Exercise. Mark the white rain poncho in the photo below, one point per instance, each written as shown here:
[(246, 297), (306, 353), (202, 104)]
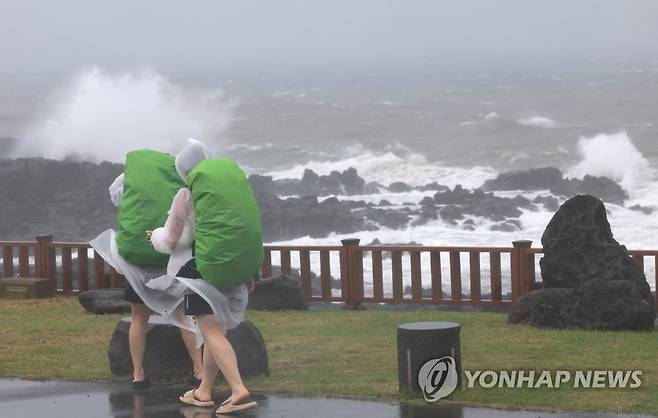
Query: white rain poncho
[(176, 238), (167, 304), (163, 291)]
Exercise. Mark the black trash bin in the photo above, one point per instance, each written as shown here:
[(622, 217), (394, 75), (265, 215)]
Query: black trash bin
[(421, 342)]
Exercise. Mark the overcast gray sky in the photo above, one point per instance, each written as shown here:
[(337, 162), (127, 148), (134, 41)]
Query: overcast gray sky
[(176, 35)]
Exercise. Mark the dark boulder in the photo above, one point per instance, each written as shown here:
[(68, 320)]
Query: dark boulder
[(104, 301), (551, 178), (428, 211), (347, 182), (277, 293), (644, 209), (399, 187), (460, 201), (550, 203), (601, 187), (451, 214), (589, 279), (427, 201), (298, 217), (166, 356), (250, 349), (544, 178), (387, 218), (545, 308)]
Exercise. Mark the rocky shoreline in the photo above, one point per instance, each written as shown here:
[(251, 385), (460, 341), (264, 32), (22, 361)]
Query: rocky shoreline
[(69, 200)]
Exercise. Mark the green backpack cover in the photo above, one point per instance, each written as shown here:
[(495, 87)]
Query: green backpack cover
[(228, 243), (150, 184)]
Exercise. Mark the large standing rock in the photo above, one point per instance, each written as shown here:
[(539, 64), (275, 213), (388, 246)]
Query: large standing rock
[(277, 293), (166, 356), (102, 301), (250, 349), (589, 279)]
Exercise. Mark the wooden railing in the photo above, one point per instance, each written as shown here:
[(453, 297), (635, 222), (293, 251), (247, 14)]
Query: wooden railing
[(54, 260), (349, 273), (431, 271)]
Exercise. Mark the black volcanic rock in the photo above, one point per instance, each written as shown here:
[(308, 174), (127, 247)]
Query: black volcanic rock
[(551, 178), (589, 279), (67, 199), (644, 209), (451, 214), (427, 201), (388, 218), (399, 187), (545, 178), (549, 202), (601, 187), (104, 301), (165, 356), (479, 203), (336, 183), (297, 217), (277, 293), (428, 211)]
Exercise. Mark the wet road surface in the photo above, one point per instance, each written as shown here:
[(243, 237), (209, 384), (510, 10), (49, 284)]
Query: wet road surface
[(23, 398)]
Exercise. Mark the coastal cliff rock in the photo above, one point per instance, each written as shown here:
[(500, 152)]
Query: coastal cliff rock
[(551, 178), (589, 280), (69, 200), (311, 184)]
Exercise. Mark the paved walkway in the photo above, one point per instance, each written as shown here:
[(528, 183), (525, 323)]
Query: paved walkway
[(22, 398)]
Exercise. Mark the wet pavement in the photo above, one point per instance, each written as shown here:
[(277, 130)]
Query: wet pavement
[(23, 398)]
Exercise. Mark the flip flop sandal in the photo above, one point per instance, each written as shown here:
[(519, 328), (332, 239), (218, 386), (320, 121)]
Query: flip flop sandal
[(228, 408), (190, 399)]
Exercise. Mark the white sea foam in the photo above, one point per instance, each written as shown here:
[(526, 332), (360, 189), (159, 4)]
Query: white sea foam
[(101, 116), (389, 167), (537, 121), (490, 116), (249, 147)]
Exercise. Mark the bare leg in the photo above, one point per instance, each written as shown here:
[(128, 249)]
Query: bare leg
[(222, 352), (195, 353), (137, 338), (204, 392)]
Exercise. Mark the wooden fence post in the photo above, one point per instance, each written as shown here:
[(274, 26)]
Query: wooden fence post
[(354, 273), (521, 269), (41, 254)]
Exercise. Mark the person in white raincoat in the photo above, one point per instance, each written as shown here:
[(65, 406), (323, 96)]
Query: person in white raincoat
[(144, 300), (215, 310)]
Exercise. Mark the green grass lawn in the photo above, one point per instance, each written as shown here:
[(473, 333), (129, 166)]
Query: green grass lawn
[(351, 353)]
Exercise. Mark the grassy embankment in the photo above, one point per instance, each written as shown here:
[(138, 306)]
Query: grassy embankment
[(350, 354)]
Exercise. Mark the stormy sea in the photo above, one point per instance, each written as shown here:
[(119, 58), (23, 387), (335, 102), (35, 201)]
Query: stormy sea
[(444, 159)]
